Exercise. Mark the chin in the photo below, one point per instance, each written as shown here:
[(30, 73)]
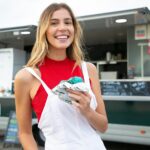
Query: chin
[(63, 47)]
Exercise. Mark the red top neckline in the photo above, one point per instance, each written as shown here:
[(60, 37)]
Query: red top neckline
[(55, 61)]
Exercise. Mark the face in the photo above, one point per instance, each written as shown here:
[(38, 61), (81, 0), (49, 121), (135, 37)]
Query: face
[(60, 33)]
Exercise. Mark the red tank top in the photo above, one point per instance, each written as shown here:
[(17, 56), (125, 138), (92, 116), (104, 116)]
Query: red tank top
[(52, 72)]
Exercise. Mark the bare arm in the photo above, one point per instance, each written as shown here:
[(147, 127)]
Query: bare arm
[(24, 110), (98, 118)]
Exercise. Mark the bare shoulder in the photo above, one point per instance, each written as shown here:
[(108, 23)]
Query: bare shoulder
[(23, 76)]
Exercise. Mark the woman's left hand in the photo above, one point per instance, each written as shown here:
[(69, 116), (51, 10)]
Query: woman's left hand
[(81, 100)]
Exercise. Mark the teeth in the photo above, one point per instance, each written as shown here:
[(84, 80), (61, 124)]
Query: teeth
[(62, 37)]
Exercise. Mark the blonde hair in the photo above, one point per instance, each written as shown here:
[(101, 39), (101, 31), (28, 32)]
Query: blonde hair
[(40, 48)]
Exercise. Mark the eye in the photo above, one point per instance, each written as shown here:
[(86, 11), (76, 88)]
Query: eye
[(68, 22), (53, 23)]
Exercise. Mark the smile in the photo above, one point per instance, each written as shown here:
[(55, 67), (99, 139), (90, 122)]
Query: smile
[(62, 37)]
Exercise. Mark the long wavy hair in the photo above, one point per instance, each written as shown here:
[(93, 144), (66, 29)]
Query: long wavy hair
[(40, 48)]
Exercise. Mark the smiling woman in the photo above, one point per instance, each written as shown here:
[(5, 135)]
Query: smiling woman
[(60, 32), (57, 57)]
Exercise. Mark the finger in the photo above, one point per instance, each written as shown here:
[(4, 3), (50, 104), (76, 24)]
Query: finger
[(76, 104), (73, 91), (81, 99), (86, 94), (75, 97)]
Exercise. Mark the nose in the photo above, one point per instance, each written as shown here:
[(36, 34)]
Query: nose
[(62, 26)]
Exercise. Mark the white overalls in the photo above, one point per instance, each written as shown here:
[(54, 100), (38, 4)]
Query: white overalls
[(63, 126)]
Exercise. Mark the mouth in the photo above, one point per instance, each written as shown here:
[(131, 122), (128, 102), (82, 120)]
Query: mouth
[(62, 37)]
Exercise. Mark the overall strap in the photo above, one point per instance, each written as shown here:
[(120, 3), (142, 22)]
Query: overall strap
[(47, 89), (85, 74)]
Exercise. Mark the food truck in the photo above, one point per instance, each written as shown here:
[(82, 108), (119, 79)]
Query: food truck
[(128, 109)]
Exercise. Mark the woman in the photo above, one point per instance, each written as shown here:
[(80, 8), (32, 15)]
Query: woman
[(57, 56)]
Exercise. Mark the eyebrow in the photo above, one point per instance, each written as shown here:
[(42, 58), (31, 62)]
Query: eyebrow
[(55, 19)]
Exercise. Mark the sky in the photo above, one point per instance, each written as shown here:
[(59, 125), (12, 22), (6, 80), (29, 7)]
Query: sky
[(14, 13)]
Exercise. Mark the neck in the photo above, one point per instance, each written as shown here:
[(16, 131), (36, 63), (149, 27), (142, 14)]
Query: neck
[(57, 54)]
